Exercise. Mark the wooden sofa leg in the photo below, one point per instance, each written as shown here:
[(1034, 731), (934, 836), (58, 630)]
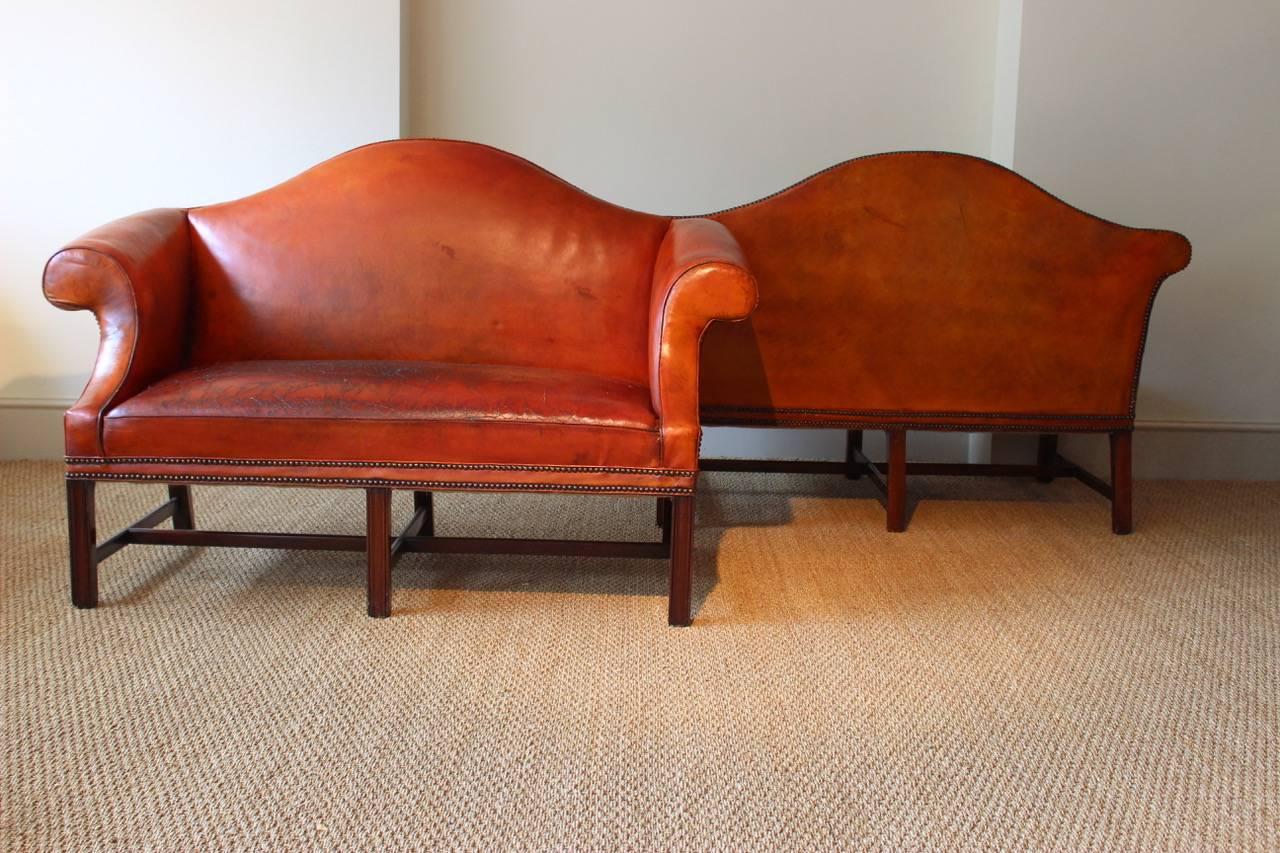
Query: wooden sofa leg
[(184, 517), (852, 447), (82, 527), (664, 515), (896, 481), (680, 594), (422, 500), (1046, 458), (378, 550), (1122, 482)]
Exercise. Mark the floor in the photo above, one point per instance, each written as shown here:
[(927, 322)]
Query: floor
[(1007, 674)]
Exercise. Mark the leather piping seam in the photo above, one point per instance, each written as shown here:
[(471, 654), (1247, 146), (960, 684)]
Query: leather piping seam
[(366, 482), (927, 153), (328, 463), (516, 158), (1142, 339)]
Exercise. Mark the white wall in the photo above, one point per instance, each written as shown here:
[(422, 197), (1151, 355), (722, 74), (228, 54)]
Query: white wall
[(678, 107), (1167, 114), (114, 107), (1149, 113)]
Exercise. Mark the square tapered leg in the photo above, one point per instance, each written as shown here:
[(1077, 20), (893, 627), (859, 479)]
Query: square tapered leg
[(423, 501), (1046, 458), (378, 550), (184, 517), (680, 596), (82, 527), (1122, 482), (896, 481), (852, 447)]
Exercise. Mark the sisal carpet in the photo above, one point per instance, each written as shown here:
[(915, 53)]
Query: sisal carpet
[(1007, 674)]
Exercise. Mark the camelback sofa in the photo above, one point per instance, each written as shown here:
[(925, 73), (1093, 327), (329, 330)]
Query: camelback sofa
[(422, 315), (932, 291)]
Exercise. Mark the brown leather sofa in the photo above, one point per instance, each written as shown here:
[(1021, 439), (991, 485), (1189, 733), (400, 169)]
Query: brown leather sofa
[(931, 291), (423, 315)]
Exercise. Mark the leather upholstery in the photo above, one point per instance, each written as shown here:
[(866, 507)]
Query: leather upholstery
[(402, 411), (700, 276), (416, 313), (430, 250), (935, 291), (134, 274)]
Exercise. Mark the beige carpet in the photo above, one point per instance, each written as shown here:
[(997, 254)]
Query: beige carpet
[(1007, 674)]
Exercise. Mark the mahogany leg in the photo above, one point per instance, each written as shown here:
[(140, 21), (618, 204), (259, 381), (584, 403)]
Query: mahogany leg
[(666, 526), (422, 500), (896, 480), (378, 550), (852, 446), (664, 515), (183, 515), (82, 527), (1122, 482), (681, 590), (1046, 458)]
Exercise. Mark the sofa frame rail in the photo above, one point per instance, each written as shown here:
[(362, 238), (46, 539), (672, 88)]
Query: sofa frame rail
[(675, 518), (890, 477)]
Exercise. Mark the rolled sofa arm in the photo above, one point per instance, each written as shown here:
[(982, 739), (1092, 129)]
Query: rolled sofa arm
[(700, 275), (134, 275)]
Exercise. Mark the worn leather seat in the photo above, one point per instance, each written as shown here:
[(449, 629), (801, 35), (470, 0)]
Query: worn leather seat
[(398, 411)]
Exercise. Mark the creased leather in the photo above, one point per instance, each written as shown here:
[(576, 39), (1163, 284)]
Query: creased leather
[(399, 411), (426, 250), (134, 275), (700, 276)]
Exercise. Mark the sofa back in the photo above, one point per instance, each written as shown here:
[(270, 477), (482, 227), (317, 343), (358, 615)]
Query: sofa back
[(425, 250), (929, 287)]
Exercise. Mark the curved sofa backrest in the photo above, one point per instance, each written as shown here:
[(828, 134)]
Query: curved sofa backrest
[(426, 250), (924, 283)]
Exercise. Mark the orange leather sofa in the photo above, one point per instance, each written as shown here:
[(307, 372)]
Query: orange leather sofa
[(932, 291), (423, 315)]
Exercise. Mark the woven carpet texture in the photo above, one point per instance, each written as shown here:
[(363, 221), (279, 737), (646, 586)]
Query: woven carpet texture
[(1007, 674)]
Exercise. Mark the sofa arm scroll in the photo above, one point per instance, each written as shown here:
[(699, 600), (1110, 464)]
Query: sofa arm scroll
[(700, 276), (134, 275)]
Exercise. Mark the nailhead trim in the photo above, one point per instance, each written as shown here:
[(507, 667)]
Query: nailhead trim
[(371, 483), (305, 463)]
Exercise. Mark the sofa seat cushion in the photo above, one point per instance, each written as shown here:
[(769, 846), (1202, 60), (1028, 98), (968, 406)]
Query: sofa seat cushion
[(369, 412)]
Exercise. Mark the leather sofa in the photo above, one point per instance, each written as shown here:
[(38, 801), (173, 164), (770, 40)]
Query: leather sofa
[(933, 291), (422, 315)]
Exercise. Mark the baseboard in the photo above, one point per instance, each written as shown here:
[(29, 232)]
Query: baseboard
[(1186, 454), (1164, 425), (1162, 450), (31, 428)]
